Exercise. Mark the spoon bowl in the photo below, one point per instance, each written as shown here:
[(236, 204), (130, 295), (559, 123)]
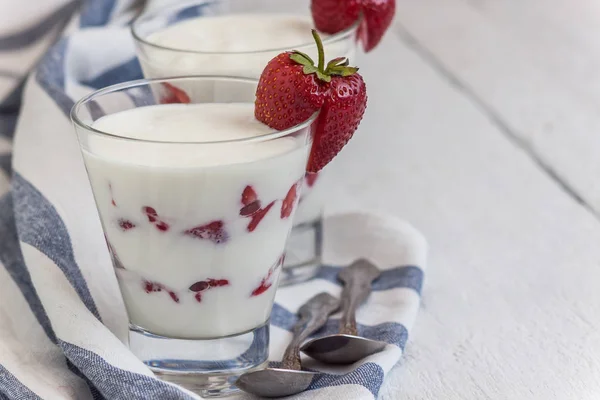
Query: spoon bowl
[(341, 349), (275, 382), (346, 347), (289, 379)]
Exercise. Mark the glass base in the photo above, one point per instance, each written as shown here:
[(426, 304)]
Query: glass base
[(303, 253), (208, 367)]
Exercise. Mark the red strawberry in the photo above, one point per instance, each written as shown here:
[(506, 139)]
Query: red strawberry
[(151, 287), (311, 178), (338, 90), (249, 195), (339, 119), (378, 16), (333, 16), (258, 216), (287, 95), (155, 219), (250, 202), (174, 95), (288, 203), (125, 224), (213, 231), (202, 286)]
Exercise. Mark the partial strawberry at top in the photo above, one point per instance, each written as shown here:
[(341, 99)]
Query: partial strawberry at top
[(334, 16), (291, 89)]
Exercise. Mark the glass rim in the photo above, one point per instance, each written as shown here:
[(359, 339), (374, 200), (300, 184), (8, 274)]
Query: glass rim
[(144, 17), (272, 134)]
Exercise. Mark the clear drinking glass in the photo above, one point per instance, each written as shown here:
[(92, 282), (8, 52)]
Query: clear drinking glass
[(196, 229), (303, 253)]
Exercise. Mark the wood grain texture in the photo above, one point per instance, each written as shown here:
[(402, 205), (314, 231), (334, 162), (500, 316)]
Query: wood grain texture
[(512, 296), (535, 64)]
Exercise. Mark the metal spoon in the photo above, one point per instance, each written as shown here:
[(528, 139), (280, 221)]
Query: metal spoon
[(290, 379), (347, 347)]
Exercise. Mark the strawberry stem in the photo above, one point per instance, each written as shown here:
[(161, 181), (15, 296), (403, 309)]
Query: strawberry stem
[(320, 50)]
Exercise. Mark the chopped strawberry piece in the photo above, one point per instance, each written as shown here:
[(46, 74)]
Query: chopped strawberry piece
[(266, 283), (150, 213), (155, 219), (263, 287), (311, 178), (154, 287), (249, 195), (125, 224), (250, 208), (217, 282), (202, 286), (161, 226), (258, 216), (151, 287), (288, 203), (174, 95), (213, 231), (112, 197), (199, 286), (174, 297)]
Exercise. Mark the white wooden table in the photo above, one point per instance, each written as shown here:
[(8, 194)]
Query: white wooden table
[(483, 131)]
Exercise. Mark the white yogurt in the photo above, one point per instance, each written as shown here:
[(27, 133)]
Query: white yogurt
[(172, 214), (239, 45)]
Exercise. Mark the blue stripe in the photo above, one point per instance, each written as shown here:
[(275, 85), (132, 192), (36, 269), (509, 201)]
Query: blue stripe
[(117, 384), (96, 395), (8, 122), (5, 163), (9, 107), (410, 277), (13, 389), (32, 34), (192, 11), (11, 257), (369, 375), (51, 75), (129, 71), (40, 226), (388, 332), (96, 12)]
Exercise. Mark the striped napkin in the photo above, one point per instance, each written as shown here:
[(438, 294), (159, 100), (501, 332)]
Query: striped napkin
[(63, 326)]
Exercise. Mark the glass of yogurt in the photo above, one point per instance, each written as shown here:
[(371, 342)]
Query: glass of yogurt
[(239, 38), (196, 199)]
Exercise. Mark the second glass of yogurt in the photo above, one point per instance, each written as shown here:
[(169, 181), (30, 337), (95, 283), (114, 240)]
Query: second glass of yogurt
[(239, 38), (196, 199)]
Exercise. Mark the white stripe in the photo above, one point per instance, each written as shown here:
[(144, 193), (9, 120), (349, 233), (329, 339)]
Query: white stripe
[(26, 351), (70, 318), (5, 145), (16, 16), (50, 152), (82, 65), (399, 305), (385, 240), (21, 61)]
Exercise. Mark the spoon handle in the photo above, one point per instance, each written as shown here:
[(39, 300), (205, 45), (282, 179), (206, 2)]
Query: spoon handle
[(313, 315), (357, 279)]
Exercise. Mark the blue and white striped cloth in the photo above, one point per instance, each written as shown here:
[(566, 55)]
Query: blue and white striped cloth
[(63, 327)]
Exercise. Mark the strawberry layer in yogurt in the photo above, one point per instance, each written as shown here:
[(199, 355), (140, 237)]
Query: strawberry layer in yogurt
[(240, 45), (197, 231)]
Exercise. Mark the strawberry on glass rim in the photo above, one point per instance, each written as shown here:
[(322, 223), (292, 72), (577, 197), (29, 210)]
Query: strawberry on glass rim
[(291, 89), (333, 16)]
